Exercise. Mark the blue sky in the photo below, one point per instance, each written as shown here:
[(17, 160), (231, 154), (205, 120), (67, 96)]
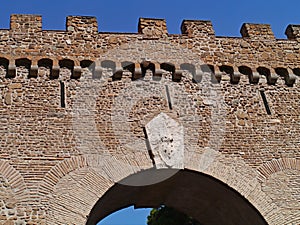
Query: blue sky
[(128, 216), (122, 16), (227, 16)]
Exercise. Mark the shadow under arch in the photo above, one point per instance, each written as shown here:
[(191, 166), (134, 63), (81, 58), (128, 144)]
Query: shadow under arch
[(201, 196)]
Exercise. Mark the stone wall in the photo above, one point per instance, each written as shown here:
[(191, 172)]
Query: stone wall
[(65, 140)]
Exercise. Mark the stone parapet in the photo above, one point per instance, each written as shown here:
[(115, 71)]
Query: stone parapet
[(152, 27), (83, 24), (196, 28), (257, 31), (25, 23)]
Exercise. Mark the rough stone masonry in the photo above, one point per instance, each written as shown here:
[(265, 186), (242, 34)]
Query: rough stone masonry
[(75, 104)]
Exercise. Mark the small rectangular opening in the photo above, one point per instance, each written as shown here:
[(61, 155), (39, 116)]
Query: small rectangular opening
[(168, 97), (62, 95), (264, 98)]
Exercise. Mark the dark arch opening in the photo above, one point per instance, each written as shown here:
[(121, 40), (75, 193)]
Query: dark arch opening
[(296, 71), (45, 67), (108, 64), (265, 72), (207, 68), (128, 66), (67, 63), (23, 62), (47, 63), (227, 69), (192, 70), (245, 70), (26, 63), (85, 63), (189, 67), (283, 72), (170, 67), (145, 65), (203, 197), (4, 64)]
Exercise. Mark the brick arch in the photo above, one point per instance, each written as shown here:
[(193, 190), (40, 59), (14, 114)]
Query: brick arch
[(124, 195), (75, 195), (87, 178), (233, 172), (277, 165), (242, 178), (14, 178), (83, 170), (59, 171)]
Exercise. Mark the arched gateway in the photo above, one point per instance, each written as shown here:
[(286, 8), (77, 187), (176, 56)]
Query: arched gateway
[(94, 122), (206, 199)]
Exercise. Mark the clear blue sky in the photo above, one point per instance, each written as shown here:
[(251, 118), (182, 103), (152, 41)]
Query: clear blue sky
[(122, 16), (227, 16), (128, 216)]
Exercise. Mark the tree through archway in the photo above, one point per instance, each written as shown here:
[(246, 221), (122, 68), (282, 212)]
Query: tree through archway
[(204, 198)]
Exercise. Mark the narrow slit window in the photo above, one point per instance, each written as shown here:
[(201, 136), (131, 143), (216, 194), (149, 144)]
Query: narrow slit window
[(62, 95), (168, 97), (264, 98), (148, 146)]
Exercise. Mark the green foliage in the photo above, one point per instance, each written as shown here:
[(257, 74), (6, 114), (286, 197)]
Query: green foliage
[(169, 216)]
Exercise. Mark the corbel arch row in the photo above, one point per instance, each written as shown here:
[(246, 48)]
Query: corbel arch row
[(138, 69)]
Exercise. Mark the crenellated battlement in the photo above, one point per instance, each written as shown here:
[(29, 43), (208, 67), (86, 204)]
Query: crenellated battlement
[(86, 24), (27, 23), (256, 54), (257, 31), (195, 28)]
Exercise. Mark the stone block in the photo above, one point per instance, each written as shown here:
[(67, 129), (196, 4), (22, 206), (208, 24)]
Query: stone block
[(82, 24), (25, 23), (152, 27), (197, 28), (257, 31), (166, 139)]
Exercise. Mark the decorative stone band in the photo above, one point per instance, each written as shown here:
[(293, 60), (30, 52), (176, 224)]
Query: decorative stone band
[(219, 73), (149, 28)]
